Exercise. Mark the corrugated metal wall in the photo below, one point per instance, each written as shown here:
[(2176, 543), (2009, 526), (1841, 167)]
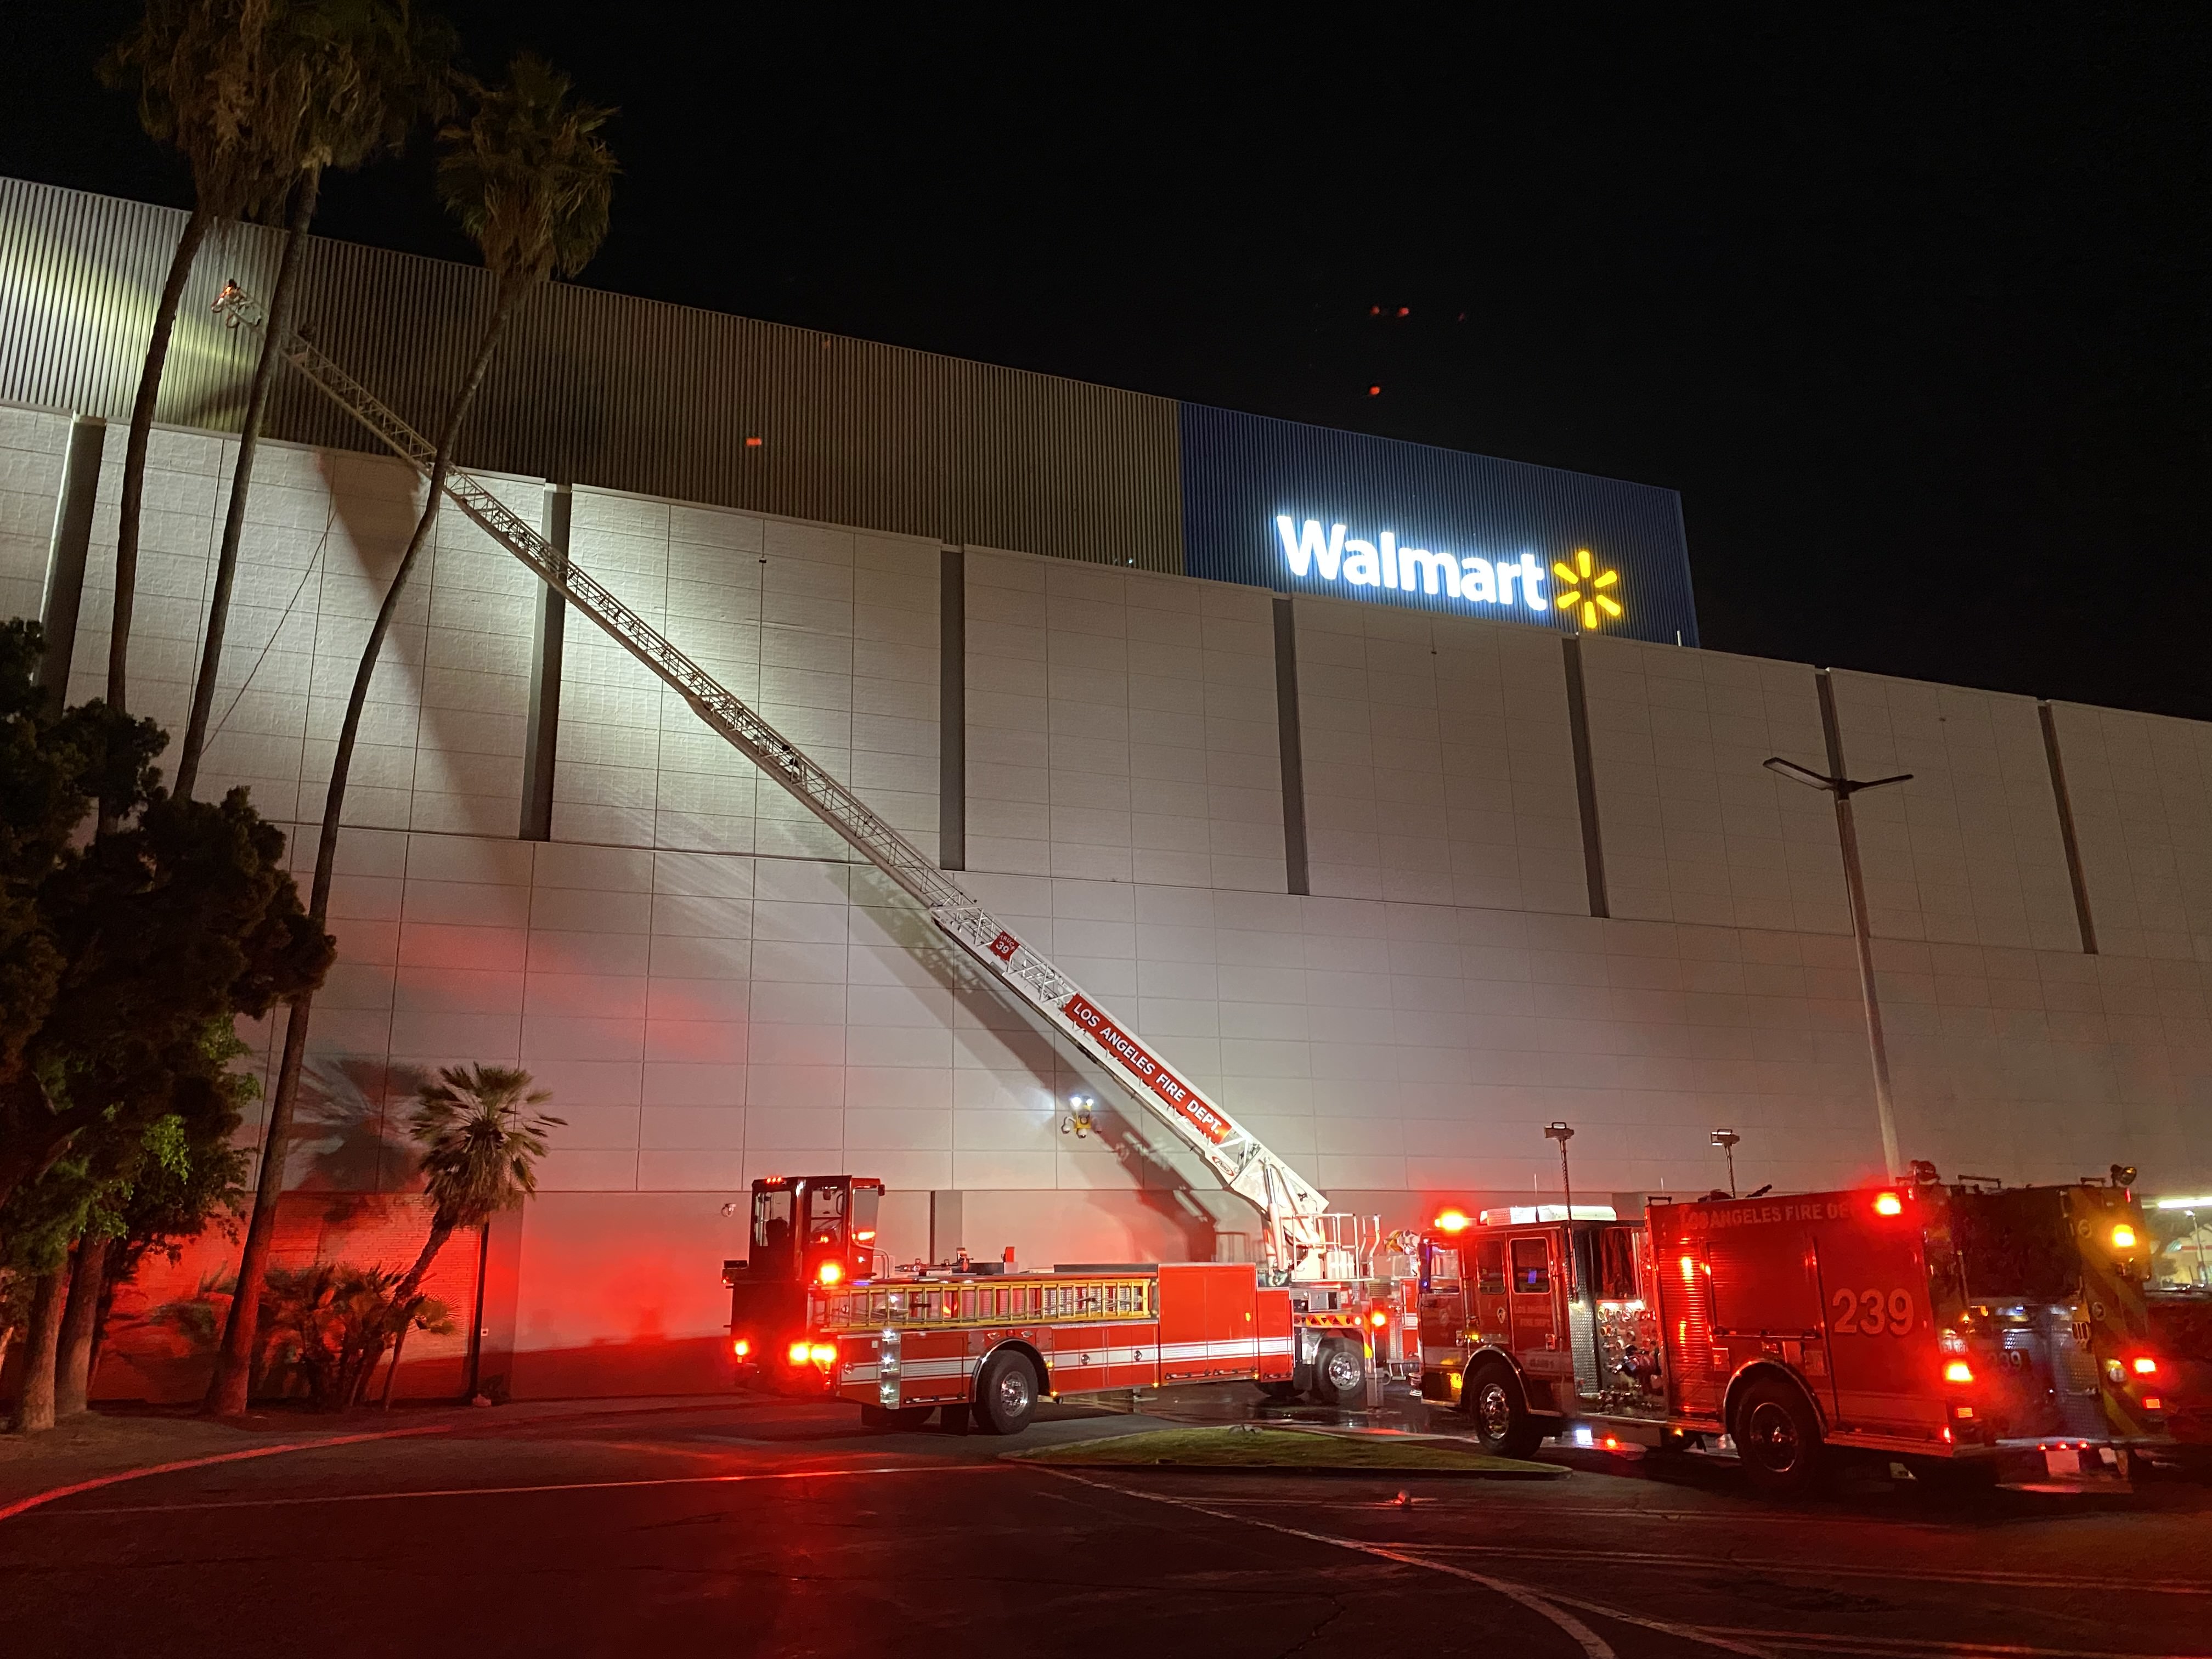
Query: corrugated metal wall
[(603, 389)]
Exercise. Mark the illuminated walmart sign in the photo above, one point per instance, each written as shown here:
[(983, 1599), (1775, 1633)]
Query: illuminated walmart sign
[(1579, 584)]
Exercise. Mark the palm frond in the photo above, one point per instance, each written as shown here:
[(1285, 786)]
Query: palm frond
[(481, 1138)]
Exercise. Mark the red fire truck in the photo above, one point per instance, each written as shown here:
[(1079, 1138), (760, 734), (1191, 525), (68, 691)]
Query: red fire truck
[(1919, 1321), (983, 1348), (814, 1262)]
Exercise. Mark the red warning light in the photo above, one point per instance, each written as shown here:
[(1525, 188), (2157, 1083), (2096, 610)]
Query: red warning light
[(752, 443), (1889, 1204), (1405, 311), (1374, 391), (1453, 1221)]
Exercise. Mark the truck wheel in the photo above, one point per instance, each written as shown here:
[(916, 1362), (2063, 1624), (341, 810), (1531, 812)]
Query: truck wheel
[(1778, 1438), (1503, 1427), (1340, 1376), (1005, 1394), (899, 1418)]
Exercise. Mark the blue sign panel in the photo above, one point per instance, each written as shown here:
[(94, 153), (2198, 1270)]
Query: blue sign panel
[(1308, 509)]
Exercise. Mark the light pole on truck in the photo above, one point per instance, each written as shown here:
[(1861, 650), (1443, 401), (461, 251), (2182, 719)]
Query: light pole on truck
[(1726, 1140), (1563, 1134)]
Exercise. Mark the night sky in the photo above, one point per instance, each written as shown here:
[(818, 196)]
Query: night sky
[(1911, 309)]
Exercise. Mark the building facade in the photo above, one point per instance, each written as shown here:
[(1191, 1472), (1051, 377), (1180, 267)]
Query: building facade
[(1397, 880)]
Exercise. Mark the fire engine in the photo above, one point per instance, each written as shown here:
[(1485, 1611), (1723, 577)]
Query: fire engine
[(817, 1309), (1921, 1320), (1341, 1286)]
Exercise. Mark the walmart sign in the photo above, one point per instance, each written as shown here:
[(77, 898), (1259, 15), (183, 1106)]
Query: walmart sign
[(1305, 509)]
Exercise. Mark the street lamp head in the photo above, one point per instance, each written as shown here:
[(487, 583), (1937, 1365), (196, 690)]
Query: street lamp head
[(1558, 1132), (1725, 1138), (1797, 773)]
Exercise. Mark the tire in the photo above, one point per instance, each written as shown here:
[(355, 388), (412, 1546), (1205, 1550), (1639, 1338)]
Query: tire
[(900, 1418), (1496, 1407), (1340, 1376), (1778, 1438), (1005, 1394)]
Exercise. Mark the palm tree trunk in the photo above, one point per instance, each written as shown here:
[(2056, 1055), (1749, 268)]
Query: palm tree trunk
[(34, 1405), (134, 452), (231, 1385), (227, 1390), (80, 1318), (408, 1288), (283, 301), (391, 1375)]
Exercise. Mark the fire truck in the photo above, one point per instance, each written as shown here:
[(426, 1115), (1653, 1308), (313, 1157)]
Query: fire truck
[(1339, 1287), (817, 1309), (1919, 1321)]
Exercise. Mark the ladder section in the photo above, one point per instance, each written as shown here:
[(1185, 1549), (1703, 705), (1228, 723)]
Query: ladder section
[(1295, 1240)]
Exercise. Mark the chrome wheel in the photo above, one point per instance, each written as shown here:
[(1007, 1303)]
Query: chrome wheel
[(1014, 1395), (1493, 1409), (1771, 1438), (1343, 1370)]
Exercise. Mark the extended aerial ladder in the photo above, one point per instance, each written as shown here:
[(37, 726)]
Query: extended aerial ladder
[(1297, 1244)]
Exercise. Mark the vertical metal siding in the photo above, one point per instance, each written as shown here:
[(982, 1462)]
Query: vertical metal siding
[(603, 389)]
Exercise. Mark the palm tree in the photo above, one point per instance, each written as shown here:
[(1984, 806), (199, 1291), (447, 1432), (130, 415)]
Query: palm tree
[(480, 1145), (480, 1142), (529, 179), (202, 71), (366, 70)]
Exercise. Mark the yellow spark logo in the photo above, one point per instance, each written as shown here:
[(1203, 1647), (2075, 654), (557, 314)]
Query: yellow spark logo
[(1584, 583)]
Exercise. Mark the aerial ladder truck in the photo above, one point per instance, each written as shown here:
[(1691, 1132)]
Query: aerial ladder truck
[(1333, 1272)]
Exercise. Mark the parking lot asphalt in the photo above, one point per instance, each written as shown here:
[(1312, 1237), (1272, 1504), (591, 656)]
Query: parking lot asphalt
[(773, 1527)]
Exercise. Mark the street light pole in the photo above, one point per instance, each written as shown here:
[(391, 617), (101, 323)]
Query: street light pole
[(1843, 788)]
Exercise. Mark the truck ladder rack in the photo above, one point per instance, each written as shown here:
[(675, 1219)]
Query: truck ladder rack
[(1295, 1240)]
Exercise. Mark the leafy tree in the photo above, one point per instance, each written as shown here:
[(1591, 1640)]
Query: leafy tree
[(118, 957), (205, 74), (366, 71), (166, 1185), (529, 178)]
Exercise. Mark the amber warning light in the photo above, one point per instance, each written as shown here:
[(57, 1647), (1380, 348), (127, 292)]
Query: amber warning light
[(1453, 1221), (830, 1272), (1889, 1204), (2123, 1237)]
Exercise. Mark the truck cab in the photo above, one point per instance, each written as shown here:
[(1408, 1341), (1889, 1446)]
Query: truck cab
[(805, 1232)]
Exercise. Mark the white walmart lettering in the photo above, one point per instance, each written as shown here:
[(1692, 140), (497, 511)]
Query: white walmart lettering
[(1311, 549)]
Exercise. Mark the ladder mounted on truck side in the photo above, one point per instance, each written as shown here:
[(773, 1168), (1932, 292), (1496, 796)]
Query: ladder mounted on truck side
[(1296, 1243)]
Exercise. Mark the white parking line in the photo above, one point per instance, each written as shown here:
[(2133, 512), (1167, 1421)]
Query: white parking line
[(1593, 1645)]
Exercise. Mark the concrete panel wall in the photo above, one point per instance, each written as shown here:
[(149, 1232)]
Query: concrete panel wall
[(2141, 787), (1122, 727), (1969, 851), (1437, 764), (1695, 829)]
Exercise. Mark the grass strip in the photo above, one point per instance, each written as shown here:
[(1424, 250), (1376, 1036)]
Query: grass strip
[(1239, 1448)]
